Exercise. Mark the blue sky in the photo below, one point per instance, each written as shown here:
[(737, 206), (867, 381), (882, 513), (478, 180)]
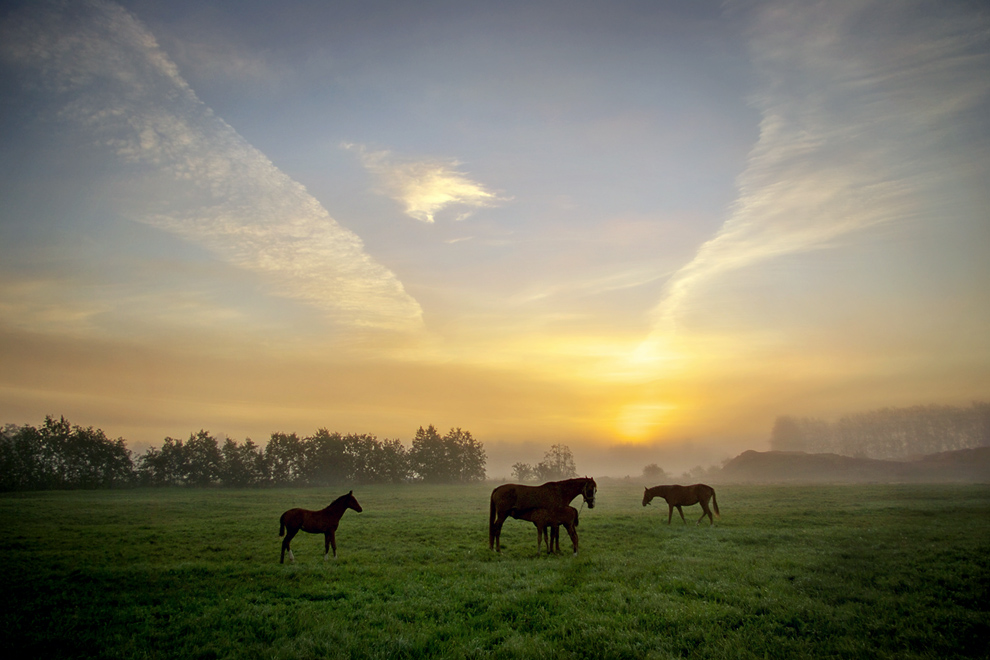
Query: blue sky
[(645, 229)]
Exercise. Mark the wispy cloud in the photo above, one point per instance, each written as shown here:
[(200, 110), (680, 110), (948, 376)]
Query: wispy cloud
[(856, 99), (426, 187), (107, 73), (627, 278)]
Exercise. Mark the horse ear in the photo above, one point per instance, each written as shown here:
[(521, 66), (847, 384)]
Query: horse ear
[(351, 493)]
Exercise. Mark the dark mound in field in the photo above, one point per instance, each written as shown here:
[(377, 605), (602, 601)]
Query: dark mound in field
[(796, 466)]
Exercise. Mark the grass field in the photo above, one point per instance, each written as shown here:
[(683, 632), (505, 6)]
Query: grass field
[(788, 572)]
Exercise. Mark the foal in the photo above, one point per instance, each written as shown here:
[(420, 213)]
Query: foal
[(324, 522), (553, 519)]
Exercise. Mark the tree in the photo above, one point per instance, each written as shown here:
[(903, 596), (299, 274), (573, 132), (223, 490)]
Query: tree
[(654, 472), (285, 458), (60, 455), (557, 464), (203, 460), (20, 459), (523, 472), (392, 464), (428, 457), (241, 465), (888, 433), (454, 458), (326, 461), (468, 456), (167, 466)]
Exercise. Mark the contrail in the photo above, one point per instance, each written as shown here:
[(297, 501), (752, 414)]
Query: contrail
[(106, 72)]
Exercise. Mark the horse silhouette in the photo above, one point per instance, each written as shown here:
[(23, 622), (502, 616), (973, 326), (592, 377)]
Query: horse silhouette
[(324, 522), (678, 496), (511, 500)]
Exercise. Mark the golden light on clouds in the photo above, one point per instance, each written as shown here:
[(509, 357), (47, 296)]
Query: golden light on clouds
[(426, 187)]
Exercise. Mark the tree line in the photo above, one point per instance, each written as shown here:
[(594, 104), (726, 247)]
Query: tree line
[(58, 455), (889, 433)]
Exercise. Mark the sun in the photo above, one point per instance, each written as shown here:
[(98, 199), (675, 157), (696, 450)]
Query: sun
[(637, 422)]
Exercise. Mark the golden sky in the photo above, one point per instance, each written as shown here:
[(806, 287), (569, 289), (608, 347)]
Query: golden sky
[(644, 230)]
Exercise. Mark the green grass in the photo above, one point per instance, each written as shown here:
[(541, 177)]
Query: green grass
[(788, 572)]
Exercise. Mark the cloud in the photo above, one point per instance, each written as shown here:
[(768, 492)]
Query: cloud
[(862, 104), (105, 72), (425, 188), (625, 278)]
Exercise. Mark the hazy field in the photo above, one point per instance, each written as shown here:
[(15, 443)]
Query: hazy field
[(816, 572)]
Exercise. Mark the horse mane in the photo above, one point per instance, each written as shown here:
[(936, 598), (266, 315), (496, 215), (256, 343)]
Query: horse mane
[(565, 481), (341, 499)]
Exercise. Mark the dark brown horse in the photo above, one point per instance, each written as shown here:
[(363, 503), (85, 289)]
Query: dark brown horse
[(514, 499), (324, 522), (547, 519), (685, 496)]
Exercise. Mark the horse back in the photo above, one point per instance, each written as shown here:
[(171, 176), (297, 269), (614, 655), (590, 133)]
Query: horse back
[(292, 518), (685, 495), (521, 498), (698, 493), (309, 521)]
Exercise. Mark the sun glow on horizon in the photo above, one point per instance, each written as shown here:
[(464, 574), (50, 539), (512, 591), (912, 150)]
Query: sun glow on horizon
[(640, 422)]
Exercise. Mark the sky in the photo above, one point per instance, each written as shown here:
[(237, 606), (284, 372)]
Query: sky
[(641, 229)]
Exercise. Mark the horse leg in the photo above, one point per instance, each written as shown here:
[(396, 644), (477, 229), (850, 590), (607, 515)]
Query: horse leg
[(555, 538), (572, 532), (491, 525), (670, 513), (329, 541), (289, 534), (705, 511), (681, 511), (497, 531)]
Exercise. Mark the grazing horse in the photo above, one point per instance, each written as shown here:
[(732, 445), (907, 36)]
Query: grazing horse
[(685, 496), (552, 519), (324, 522), (514, 499)]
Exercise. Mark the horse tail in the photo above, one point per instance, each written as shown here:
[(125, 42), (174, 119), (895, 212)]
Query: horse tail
[(281, 525), (715, 504)]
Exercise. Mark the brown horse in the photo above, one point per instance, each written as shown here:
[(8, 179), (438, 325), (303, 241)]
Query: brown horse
[(514, 499), (552, 519), (324, 522), (685, 496)]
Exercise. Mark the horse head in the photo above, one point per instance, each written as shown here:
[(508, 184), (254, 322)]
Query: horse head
[(352, 502), (647, 496), (588, 491)]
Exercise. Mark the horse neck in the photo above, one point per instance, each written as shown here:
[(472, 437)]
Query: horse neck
[(657, 491), (570, 489), (337, 507)]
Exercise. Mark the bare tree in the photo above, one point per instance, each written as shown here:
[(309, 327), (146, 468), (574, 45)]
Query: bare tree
[(557, 463)]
